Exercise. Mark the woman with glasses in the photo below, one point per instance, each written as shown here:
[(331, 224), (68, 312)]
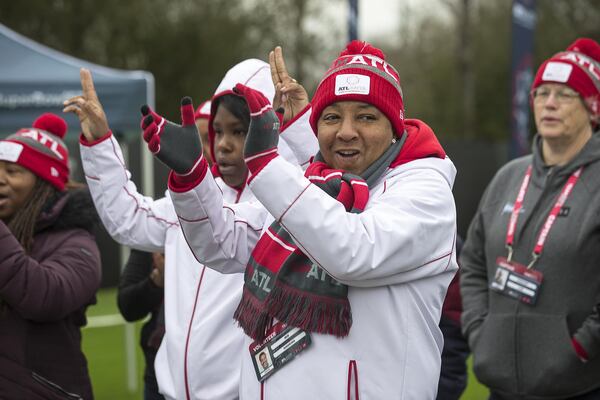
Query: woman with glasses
[(530, 277)]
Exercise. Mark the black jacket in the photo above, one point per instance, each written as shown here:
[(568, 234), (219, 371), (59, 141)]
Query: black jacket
[(137, 297)]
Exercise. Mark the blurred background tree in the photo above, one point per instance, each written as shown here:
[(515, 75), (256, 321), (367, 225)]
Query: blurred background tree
[(453, 55), (187, 44)]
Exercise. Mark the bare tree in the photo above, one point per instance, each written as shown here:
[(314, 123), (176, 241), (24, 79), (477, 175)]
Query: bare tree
[(461, 11)]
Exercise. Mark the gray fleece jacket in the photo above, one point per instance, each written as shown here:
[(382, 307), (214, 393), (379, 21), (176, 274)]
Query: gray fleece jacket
[(522, 351)]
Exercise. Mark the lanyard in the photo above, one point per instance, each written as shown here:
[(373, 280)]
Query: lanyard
[(541, 240)]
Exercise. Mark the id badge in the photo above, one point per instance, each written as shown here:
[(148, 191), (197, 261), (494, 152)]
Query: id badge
[(282, 344), (515, 280)]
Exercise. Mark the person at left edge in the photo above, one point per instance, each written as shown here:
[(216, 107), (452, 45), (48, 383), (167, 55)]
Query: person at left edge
[(49, 267)]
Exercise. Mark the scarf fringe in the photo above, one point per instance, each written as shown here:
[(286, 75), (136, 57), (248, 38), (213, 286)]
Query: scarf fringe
[(309, 311), (251, 316)]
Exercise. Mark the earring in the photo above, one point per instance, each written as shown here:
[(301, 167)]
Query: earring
[(393, 140)]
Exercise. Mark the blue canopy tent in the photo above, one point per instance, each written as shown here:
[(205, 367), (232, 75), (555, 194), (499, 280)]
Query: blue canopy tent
[(35, 79)]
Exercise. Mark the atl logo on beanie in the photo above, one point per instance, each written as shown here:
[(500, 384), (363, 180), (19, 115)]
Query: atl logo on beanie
[(352, 84), (584, 62), (361, 74), (44, 139), (40, 149), (373, 61), (579, 68)]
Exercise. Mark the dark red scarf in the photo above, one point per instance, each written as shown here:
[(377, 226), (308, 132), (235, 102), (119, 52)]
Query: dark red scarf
[(281, 282)]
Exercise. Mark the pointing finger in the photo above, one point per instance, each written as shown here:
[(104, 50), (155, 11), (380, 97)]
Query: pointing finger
[(87, 84)]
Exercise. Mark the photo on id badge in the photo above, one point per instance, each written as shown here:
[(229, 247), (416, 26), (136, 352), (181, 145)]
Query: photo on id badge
[(500, 278), (264, 361)]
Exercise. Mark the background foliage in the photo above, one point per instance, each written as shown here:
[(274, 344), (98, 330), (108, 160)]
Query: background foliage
[(453, 55)]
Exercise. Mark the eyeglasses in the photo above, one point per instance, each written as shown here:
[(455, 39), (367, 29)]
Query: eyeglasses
[(562, 96)]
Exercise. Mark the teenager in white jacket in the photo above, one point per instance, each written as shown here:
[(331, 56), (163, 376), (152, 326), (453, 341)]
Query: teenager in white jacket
[(199, 357), (357, 253)]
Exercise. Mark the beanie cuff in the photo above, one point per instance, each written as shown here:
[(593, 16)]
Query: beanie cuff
[(45, 167)]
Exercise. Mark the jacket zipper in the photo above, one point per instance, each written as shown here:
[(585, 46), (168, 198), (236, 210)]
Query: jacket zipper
[(187, 339), (548, 178), (54, 387)]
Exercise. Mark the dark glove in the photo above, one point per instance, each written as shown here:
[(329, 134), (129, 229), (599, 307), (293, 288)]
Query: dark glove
[(176, 146), (263, 133)]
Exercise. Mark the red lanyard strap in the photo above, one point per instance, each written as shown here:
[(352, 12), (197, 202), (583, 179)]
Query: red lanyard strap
[(560, 201)]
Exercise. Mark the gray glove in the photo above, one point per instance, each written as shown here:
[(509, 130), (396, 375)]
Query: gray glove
[(176, 146)]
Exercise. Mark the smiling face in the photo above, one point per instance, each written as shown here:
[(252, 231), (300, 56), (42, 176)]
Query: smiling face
[(263, 360), (230, 135), (16, 184), (352, 135)]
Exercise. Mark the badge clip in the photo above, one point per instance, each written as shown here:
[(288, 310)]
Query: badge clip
[(534, 257), (510, 252)]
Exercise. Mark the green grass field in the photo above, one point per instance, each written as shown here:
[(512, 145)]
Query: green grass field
[(105, 350)]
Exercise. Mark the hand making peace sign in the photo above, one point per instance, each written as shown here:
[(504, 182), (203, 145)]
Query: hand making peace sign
[(289, 94)]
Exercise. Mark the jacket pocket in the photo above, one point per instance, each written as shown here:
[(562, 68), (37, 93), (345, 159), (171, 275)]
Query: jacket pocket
[(494, 352), (548, 364)]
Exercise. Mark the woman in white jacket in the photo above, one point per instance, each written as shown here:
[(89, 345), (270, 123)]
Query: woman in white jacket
[(199, 357), (344, 284)]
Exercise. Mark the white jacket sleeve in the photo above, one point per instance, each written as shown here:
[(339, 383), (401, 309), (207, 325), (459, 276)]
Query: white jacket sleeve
[(407, 231), (220, 235), (300, 138), (130, 218)]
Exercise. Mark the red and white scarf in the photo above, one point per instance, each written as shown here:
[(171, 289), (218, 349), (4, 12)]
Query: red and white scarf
[(281, 282)]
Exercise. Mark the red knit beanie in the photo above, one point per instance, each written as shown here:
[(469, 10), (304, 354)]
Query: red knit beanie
[(579, 68), (360, 73), (40, 149), (203, 111)]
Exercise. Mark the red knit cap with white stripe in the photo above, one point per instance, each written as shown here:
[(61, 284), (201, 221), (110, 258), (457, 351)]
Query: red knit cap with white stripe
[(40, 149), (361, 73), (579, 68)]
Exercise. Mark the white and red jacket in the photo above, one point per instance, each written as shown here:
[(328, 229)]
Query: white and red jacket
[(397, 257), (200, 355)]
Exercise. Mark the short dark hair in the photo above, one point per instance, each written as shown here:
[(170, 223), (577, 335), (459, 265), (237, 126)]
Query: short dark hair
[(235, 105)]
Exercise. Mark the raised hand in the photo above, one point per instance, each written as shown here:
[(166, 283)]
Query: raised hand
[(176, 146), (263, 133), (289, 94), (88, 108)]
